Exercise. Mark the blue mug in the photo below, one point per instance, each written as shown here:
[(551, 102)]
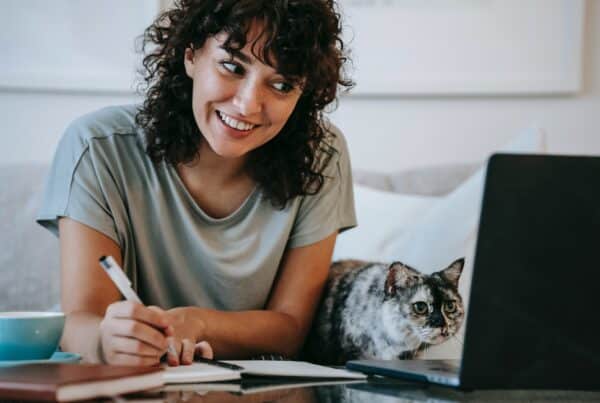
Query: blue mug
[(30, 335)]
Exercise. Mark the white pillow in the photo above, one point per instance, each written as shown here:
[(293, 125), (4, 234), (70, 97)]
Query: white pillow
[(427, 233), (382, 218)]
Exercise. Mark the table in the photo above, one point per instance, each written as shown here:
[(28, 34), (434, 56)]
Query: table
[(374, 390)]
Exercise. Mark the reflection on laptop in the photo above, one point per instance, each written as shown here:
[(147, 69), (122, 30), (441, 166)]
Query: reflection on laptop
[(532, 313)]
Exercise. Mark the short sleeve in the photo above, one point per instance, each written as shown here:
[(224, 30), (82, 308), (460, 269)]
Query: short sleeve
[(332, 208), (77, 187)]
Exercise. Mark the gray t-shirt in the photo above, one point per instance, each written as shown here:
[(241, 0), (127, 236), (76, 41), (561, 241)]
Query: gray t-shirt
[(173, 252)]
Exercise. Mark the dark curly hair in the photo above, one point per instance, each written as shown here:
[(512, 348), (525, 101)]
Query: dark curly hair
[(302, 38)]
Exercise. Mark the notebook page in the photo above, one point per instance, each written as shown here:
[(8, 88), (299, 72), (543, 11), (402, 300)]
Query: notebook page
[(198, 372), (294, 369)]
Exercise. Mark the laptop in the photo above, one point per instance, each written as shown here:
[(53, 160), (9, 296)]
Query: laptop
[(534, 307)]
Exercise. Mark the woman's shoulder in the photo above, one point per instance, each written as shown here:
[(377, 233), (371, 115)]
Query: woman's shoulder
[(100, 129), (335, 146), (104, 122), (334, 138)]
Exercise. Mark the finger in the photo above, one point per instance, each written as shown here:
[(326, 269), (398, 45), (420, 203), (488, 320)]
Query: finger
[(169, 319), (187, 352), (204, 350), (133, 346), (154, 317), (172, 353), (169, 331), (140, 331)]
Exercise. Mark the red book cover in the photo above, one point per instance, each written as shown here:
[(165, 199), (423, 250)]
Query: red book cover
[(68, 382)]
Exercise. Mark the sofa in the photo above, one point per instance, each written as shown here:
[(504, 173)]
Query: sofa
[(29, 259)]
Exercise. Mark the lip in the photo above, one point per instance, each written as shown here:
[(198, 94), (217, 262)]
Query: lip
[(235, 133)]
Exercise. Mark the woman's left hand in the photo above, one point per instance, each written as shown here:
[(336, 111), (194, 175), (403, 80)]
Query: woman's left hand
[(186, 343)]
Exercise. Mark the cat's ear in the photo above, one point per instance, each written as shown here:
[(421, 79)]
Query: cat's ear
[(400, 275), (452, 273)]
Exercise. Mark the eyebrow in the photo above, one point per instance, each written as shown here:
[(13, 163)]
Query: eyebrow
[(239, 55)]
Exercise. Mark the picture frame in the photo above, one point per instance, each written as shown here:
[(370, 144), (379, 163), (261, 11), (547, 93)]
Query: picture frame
[(465, 47), (70, 45)]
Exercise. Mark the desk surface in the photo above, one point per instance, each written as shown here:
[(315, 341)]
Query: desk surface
[(375, 390)]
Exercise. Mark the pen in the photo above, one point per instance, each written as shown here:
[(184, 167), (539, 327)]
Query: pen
[(218, 363), (117, 275)]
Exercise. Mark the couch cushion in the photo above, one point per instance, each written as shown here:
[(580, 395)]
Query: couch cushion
[(435, 180), (29, 257)]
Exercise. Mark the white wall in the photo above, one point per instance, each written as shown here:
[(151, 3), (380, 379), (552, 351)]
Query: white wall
[(389, 133), (384, 134)]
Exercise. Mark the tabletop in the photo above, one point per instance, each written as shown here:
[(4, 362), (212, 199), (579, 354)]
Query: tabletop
[(374, 390)]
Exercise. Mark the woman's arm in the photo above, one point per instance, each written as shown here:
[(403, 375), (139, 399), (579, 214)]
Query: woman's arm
[(128, 332), (282, 327), (89, 299)]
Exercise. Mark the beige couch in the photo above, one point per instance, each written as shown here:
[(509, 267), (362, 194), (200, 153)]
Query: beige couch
[(29, 258)]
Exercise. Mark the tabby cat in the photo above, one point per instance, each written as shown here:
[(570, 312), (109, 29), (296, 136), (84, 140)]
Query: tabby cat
[(384, 311)]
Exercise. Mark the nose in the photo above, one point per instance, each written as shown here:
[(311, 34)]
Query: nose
[(436, 320), (249, 98)]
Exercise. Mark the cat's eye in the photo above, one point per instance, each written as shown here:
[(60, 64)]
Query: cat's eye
[(420, 308), (450, 306)]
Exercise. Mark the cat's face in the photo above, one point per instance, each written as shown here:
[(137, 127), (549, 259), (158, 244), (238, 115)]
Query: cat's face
[(427, 308)]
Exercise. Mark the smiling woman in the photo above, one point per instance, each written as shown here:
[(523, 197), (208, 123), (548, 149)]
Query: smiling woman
[(221, 196), (239, 103)]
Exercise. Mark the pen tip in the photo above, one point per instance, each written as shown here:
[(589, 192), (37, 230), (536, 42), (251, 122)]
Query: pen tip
[(102, 258)]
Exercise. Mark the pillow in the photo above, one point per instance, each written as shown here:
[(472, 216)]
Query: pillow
[(430, 233), (382, 218), (433, 180)]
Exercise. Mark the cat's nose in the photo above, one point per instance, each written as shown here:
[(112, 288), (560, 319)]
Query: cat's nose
[(436, 320)]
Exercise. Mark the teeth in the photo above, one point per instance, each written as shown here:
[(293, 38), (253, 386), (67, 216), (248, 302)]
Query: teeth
[(234, 123)]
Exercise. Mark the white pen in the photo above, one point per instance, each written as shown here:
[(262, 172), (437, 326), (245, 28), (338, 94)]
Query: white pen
[(117, 275)]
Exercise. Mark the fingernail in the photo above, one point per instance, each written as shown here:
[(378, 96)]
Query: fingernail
[(171, 348)]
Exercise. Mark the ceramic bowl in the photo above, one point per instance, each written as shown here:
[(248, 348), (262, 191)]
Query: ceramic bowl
[(30, 335)]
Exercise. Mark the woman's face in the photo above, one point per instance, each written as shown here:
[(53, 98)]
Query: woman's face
[(239, 103)]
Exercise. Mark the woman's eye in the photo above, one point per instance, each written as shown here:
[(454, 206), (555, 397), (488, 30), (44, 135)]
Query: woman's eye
[(233, 67), (283, 87), (420, 308), (450, 306)]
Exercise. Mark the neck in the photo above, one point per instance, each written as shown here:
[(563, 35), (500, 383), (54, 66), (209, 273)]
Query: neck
[(209, 167)]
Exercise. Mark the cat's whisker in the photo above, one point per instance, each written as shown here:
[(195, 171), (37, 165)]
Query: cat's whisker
[(458, 339)]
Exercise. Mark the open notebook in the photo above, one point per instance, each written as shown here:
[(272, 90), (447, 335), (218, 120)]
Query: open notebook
[(209, 372), (257, 385)]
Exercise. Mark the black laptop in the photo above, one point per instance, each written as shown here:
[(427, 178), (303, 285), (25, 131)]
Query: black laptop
[(533, 318)]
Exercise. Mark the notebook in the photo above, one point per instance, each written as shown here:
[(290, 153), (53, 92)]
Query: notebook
[(198, 372), (68, 382), (530, 319), (208, 372), (251, 385)]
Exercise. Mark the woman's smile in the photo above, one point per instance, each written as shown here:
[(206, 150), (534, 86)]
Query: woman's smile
[(236, 127)]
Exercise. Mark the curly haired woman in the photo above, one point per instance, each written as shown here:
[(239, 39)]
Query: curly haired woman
[(221, 196)]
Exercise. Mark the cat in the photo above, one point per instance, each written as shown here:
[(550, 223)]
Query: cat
[(383, 311)]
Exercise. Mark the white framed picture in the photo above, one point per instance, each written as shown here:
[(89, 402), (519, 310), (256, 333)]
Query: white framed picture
[(465, 47), (72, 45)]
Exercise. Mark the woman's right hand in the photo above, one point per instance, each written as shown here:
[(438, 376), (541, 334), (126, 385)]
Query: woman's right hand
[(133, 334)]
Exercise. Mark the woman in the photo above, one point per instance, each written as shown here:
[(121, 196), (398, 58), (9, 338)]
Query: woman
[(221, 196)]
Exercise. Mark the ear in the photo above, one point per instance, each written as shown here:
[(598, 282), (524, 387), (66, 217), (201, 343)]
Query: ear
[(188, 62), (452, 273), (400, 276)]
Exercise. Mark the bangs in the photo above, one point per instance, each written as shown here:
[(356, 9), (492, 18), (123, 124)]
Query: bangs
[(281, 43)]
